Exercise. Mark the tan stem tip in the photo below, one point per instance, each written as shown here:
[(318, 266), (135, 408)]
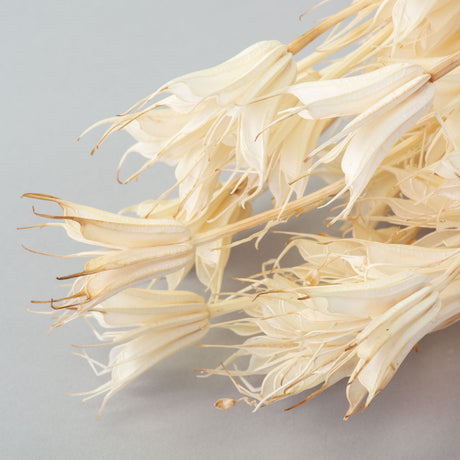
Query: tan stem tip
[(301, 42), (445, 66)]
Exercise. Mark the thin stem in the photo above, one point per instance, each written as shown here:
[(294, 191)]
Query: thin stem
[(324, 52), (361, 54), (445, 66), (301, 42), (223, 307), (296, 206)]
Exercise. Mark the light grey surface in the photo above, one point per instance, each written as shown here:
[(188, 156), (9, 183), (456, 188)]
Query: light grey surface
[(65, 65)]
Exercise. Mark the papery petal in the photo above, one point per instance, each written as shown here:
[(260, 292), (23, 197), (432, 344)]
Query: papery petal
[(351, 95), (235, 81), (372, 142), (93, 226)]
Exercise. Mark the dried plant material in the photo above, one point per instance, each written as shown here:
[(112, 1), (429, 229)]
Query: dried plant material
[(432, 203), (305, 344), (356, 95), (379, 124), (359, 320), (146, 327), (224, 208), (140, 250), (209, 123), (137, 250), (386, 102), (425, 27)]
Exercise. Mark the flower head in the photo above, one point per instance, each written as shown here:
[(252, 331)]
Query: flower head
[(146, 326), (358, 320), (136, 250), (385, 103), (210, 120)]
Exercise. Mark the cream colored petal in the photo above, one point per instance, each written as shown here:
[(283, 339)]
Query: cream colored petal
[(130, 360), (351, 95), (407, 15), (107, 275), (234, 80), (93, 226), (385, 354), (212, 258), (369, 146), (134, 307), (370, 298)]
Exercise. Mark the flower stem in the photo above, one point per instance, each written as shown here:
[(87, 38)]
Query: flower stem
[(224, 307), (301, 42), (445, 66), (312, 200)]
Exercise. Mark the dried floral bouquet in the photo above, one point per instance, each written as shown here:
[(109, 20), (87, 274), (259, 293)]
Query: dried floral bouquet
[(379, 125)]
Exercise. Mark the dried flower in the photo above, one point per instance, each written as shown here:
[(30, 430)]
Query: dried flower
[(209, 122), (370, 308), (380, 122), (146, 327), (137, 250), (387, 103)]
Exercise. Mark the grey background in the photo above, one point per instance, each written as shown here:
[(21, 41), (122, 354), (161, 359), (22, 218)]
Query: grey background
[(65, 65)]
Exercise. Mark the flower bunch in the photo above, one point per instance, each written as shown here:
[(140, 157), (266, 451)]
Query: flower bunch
[(353, 310), (378, 125)]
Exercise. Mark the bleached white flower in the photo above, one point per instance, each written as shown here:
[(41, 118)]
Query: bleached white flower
[(224, 208), (143, 249), (210, 121), (355, 307), (337, 333), (136, 250), (147, 327), (368, 306), (385, 103), (427, 200), (423, 27)]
